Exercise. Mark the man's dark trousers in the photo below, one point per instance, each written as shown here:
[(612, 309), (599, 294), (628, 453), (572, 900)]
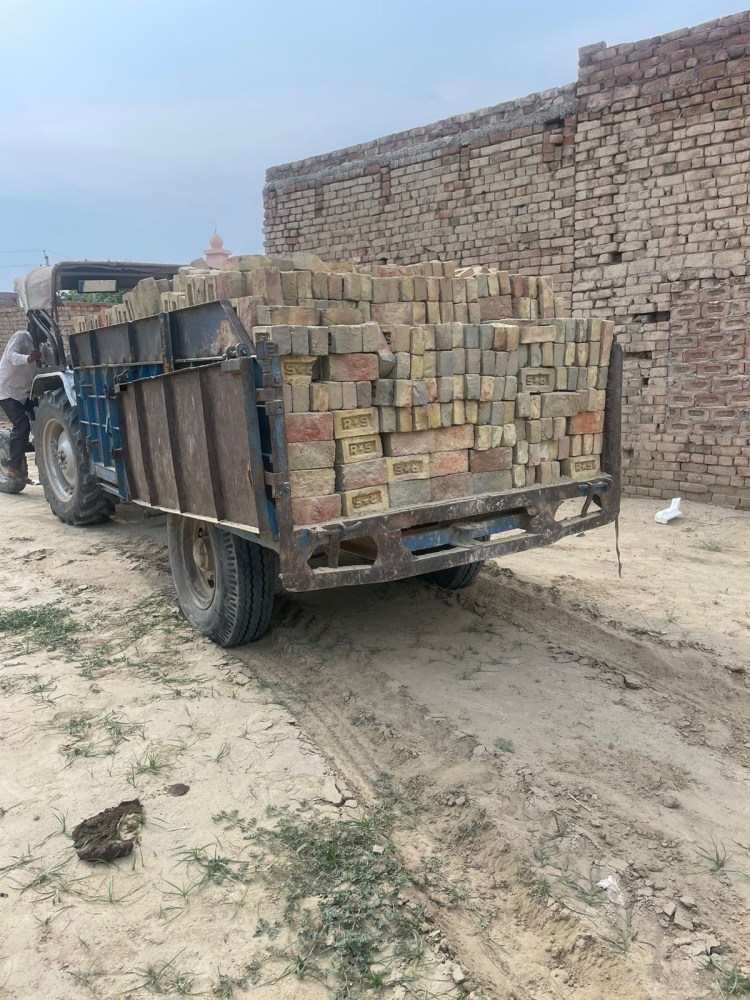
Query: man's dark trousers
[(18, 415)]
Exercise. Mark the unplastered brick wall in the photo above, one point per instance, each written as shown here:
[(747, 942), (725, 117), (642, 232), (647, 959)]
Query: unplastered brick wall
[(630, 186), (496, 185), (13, 318)]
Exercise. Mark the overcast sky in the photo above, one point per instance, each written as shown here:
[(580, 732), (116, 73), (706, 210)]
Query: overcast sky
[(130, 129)]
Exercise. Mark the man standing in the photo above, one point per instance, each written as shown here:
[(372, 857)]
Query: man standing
[(18, 366)]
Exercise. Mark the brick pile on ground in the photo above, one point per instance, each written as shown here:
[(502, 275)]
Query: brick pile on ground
[(415, 384)]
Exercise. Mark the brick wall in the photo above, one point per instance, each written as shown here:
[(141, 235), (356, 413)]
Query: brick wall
[(495, 185), (13, 318), (629, 186)]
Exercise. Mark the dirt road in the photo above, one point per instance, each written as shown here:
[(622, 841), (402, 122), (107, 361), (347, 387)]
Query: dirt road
[(561, 757)]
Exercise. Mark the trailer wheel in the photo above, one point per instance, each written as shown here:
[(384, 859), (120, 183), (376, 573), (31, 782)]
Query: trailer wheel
[(455, 578), (225, 584), (8, 484), (71, 490)]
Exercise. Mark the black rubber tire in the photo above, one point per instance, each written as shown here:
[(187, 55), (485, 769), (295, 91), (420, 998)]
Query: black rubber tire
[(239, 607), (87, 503), (455, 578), (9, 485)]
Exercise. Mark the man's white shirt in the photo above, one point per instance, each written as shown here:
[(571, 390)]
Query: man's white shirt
[(16, 374)]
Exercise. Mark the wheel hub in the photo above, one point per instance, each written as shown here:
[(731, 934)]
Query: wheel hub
[(59, 459), (65, 458), (200, 554), (201, 565)]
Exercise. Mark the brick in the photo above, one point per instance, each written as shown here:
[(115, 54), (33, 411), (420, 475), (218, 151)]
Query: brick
[(537, 334), (318, 340), (320, 397), (300, 340), (389, 313), (358, 449), (371, 500), (388, 424), (364, 394), (491, 459), (384, 392), (450, 487), (311, 455), (350, 367), (287, 316), (355, 423), (409, 494), (410, 443), (587, 423), (581, 467), (348, 395), (452, 439), (301, 427), (491, 482), (495, 307), (298, 369), (447, 463), (407, 467), (358, 475), (560, 404), (342, 315), (312, 483), (313, 510), (345, 340), (537, 379)]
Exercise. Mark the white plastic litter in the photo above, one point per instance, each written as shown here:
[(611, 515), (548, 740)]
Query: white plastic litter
[(671, 512), (612, 887)]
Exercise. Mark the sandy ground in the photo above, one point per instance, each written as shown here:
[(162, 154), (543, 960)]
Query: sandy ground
[(552, 728)]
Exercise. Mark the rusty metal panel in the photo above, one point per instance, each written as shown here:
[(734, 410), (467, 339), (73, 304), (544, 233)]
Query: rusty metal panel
[(162, 463), (225, 402), (186, 443)]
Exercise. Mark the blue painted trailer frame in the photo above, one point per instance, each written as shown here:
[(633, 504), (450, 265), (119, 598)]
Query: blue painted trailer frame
[(126, 381)]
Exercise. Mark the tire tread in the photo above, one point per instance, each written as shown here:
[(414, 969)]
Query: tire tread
[(94, 506), (455, 578)]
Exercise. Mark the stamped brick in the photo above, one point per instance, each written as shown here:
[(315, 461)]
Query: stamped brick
[(407, 467), (580, 467), (298, 369), (355, 423), (359, 449), (371, 500), (537, 379)]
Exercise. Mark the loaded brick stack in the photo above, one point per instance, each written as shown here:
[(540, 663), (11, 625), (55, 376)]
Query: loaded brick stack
[(409, 385)]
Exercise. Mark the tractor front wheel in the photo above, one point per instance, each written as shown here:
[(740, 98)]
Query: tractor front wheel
[(71, 489)]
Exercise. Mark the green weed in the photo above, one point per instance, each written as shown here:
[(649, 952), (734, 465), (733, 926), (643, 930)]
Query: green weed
[(41, 625)]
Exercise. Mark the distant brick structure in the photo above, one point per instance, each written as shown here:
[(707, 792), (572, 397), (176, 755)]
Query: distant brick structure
[(629, 186), (13, 318)]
